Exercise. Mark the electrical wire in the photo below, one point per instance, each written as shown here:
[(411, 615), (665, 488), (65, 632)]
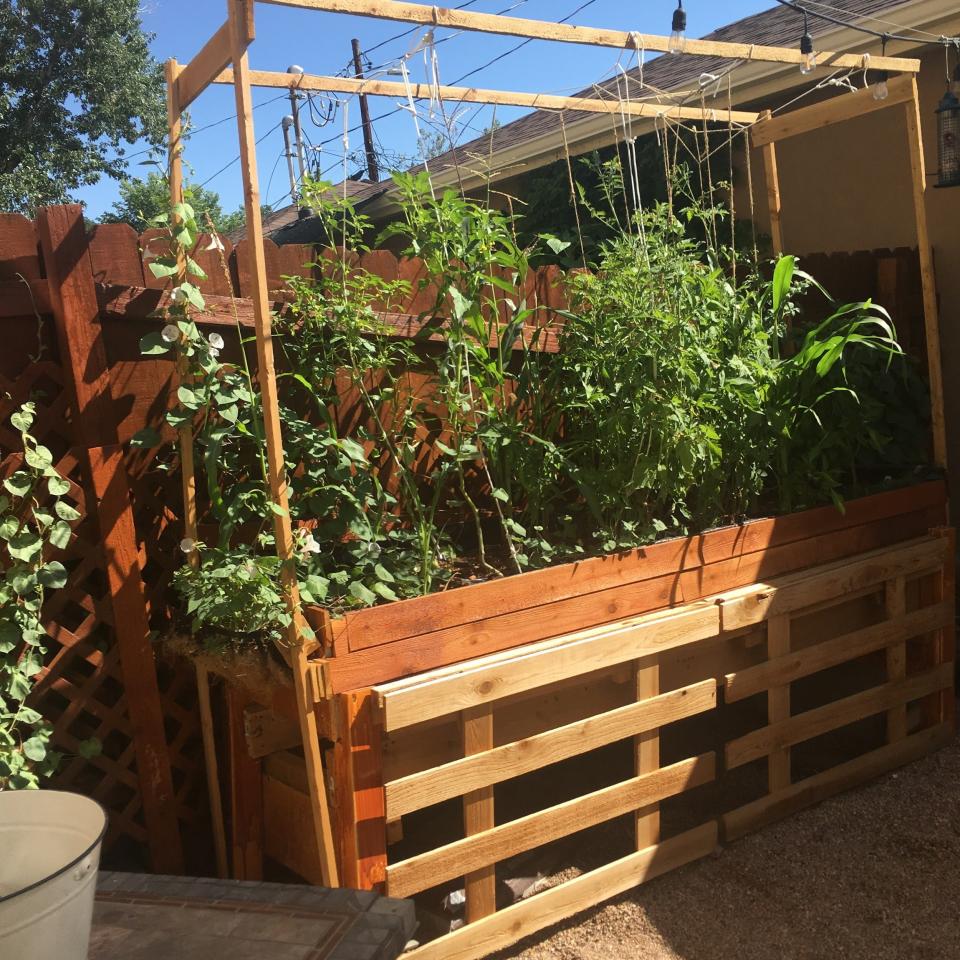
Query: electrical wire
[(406, 33), (236, 159), (880, 34)]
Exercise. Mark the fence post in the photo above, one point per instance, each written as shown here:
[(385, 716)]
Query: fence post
[(73, 297)]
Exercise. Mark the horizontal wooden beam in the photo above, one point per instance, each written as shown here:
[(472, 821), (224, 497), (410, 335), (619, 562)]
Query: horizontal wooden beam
[(130, 303), (199, 73), (502, 675), (846, 106), (506, 927), (805, 793), (813, 723), (752, 604), (454, 779), (831, 653), (482, 849), (589, 36), (539, 101)]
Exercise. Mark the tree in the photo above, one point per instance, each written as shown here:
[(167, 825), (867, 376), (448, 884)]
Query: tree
[(141, 201), (77, 84)]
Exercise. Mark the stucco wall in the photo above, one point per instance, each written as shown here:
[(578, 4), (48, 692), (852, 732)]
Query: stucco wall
[(847, 187)]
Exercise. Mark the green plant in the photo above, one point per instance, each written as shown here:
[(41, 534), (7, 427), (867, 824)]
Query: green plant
[(34, 521)]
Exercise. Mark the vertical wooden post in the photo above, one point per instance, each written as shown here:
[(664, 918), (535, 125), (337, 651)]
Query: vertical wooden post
[(246, 794), (778, 702), (931, 313), (895, 603), (213, 772), (241, 34), (769, 151), (647, 754), (74, 301), (361, 804), (478, 813), (188, 474)]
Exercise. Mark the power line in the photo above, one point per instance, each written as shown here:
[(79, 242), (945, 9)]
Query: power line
[(879, 34), (406, 33), (236, 159)]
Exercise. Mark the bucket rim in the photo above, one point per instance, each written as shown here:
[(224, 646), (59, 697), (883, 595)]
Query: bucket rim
[(68, 866)]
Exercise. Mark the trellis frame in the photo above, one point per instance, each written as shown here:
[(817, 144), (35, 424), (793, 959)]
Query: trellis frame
[(229, 46)]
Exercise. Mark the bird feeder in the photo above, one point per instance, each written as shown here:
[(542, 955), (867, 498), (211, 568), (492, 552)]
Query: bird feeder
[(948, 134)]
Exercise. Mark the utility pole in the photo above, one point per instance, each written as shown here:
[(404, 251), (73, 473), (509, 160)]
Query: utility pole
[(372, 170)]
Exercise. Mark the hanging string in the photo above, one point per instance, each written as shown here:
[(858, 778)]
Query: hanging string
[(733, 201), (573, 189), (753, 220)]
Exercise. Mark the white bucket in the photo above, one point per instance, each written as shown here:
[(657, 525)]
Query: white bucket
[(49, 853)]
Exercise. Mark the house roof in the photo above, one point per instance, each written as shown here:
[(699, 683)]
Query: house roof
[(287, 226), (779, 26)]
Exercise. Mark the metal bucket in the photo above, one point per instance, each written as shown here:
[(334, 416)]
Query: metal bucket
[(49, 854)]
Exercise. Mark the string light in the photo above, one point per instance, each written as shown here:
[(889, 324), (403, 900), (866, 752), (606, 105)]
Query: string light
[(809, 62), (880, 89), (678, 39)]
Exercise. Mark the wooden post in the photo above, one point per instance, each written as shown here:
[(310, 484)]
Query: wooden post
[(931, 313), (246, 794), (213, 772), (774, 205), (241, 34), (361, 803), (778, 702), (73, 298), (478, 813), (895, 603), (647, 750)]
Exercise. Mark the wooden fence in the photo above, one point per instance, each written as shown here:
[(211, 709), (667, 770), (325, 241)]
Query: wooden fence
[(73, 307)]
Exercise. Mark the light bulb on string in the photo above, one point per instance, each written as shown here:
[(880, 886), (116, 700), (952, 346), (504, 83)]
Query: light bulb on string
[(678, 39), (880, 89), (808, 62)]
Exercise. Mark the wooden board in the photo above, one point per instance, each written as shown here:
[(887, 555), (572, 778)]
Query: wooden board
[(811, 790), (489, 679), (451, 861), (591, 36), (497, 764), (506, 927)]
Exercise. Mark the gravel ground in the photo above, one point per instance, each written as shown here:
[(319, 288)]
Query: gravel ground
[(873, 874)]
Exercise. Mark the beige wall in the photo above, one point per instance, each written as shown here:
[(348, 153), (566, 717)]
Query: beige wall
[(848, 188)]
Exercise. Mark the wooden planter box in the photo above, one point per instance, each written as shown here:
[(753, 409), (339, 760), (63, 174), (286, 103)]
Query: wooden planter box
[(449, 695)]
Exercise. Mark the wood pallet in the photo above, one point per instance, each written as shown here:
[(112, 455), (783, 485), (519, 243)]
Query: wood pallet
[(766, 626)]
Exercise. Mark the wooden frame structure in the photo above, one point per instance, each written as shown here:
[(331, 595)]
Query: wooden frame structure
[(224, 59), (902, 93)]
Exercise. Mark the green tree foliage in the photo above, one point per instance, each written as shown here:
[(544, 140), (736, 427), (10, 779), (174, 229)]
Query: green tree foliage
[(142, 201), (77, 83)]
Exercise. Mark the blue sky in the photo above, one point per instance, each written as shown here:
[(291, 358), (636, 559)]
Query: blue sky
[(320, 43)]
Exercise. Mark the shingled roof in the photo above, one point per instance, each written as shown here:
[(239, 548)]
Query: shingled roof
[(779, 26)]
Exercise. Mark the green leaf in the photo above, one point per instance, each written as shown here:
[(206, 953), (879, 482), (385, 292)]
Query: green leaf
[(384, 574), (53, 575), (25, 546), (22, 420), (153, 344), (358, 590), (163, 267), (500, 495), (66, 511), (89, 748), (19, 484), (145, 438), (59, 535), (384, 591), (35, 749), (38, 457), (782, 277), (58, 486)]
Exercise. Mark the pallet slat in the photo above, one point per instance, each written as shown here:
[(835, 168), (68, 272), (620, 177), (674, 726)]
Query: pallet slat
[(805, 793), (453, 860), (501, 676), (812, 723), (533, 753), (831, 653), (522, 919)]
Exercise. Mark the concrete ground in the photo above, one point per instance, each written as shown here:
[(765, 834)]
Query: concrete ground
[(873, 874)]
